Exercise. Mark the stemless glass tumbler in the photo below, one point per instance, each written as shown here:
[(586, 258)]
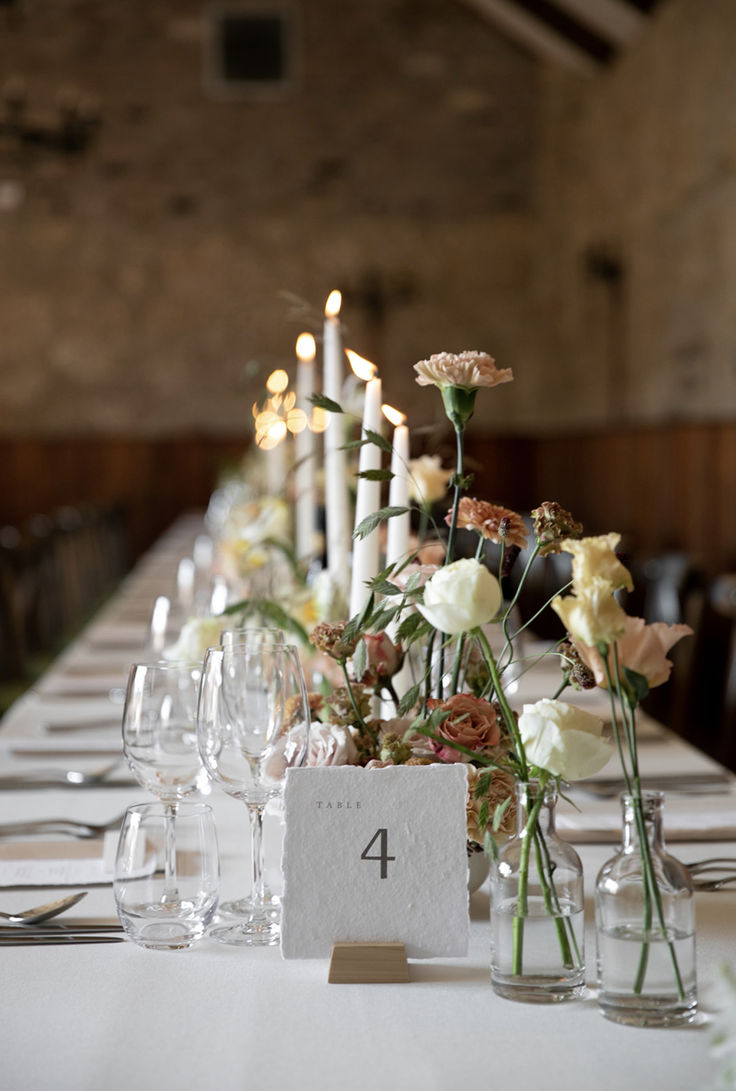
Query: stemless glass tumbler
[(145, 871)]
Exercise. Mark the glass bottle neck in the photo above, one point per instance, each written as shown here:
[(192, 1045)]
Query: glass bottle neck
[(642, 818), (533, 801)]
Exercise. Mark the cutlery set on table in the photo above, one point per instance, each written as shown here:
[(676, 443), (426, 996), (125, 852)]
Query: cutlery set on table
[(60, 755)]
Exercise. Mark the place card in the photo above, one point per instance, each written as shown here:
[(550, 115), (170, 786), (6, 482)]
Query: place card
[(57, 863), (375, 856)]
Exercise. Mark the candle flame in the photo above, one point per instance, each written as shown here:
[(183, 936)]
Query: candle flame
[(319, 420), (305, 347), (393, 416), (296, 420), (333, 304), (271, 435), (363, 368), (277, 381)]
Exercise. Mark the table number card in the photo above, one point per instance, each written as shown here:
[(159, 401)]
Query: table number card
[(374, 855)]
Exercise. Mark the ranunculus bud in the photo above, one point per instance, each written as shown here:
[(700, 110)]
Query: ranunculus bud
[(384, 657)]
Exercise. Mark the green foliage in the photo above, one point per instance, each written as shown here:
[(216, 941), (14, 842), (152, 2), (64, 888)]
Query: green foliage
[(360, 659), (371, 521), (323, 402), (377, 439), (375, 475), (410, 698)]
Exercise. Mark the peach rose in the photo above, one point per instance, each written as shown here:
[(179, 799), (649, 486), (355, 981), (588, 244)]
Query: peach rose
[(642, 648), (472, 723)]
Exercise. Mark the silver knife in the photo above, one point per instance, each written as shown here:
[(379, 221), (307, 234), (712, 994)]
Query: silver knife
[(39, 931), (91, 725), (50, 941), (673, 782)]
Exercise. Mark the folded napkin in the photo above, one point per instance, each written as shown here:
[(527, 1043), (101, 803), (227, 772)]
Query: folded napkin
[(698, 819), (46, 725), (58, 863), (110, 686)]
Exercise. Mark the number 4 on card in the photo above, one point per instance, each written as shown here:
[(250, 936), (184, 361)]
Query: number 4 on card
[(383, 857)]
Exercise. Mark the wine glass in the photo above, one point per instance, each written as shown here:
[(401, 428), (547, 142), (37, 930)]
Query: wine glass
[(253, 725), (160, 739), (256, 636)]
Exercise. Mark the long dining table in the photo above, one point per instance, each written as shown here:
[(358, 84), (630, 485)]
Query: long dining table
[(114, 1015)]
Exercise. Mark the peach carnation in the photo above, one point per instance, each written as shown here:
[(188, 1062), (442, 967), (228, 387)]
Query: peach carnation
[(468, 369), (500, 525)]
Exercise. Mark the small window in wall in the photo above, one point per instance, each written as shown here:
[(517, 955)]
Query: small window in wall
[(250, 51)]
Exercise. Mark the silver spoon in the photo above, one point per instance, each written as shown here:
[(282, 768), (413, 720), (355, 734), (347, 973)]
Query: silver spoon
[(43, 912)]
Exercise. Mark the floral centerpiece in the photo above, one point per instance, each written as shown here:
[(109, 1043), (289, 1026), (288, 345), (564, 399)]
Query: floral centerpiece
[(451, 626), (422, 675)]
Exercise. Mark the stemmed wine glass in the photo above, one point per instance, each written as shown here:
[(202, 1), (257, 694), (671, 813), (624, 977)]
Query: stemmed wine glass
[(253, 725), (255, 636), (160, 740)]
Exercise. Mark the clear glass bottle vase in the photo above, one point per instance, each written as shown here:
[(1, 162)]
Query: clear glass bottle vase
[(537, 951), (645, 925)]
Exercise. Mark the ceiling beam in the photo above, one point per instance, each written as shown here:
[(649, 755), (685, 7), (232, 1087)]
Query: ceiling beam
[(534, 35), (618, 22)]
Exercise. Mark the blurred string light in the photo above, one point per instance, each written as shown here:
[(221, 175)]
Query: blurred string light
[(278, 414)]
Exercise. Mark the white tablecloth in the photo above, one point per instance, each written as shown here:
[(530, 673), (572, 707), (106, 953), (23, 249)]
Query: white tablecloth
[(116, 1016)]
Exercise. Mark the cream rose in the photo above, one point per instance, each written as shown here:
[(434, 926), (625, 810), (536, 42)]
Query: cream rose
[(460, 596), (566, 741), (594, 617), (331, 744)]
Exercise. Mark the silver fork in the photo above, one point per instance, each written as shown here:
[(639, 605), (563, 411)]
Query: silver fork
[(710, 863), (70, 826), (42, 778), (714, 884)]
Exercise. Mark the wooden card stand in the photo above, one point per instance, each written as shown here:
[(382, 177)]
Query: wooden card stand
[(368, 964)]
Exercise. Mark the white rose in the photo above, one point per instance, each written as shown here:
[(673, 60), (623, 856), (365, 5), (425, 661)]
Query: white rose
[(196, 636), (565, 740), (331, 744), (460, 596)]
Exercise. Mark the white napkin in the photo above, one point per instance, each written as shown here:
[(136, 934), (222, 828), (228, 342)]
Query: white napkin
[(685, 819), (25, 726), (58, 863)]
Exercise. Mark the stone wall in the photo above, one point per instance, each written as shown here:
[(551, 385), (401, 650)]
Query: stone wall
[(200, 234), (635, 267)]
